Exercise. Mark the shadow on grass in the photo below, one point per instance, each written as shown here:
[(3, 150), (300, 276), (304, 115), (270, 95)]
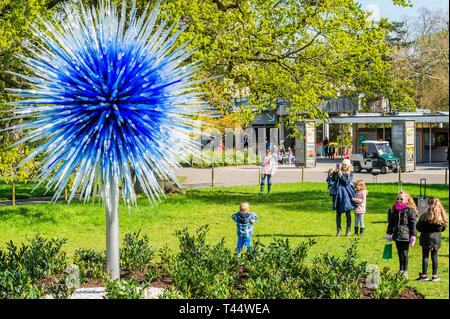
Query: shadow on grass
[(36, 213)]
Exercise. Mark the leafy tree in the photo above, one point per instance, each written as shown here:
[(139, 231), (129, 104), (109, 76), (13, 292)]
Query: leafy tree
[(16, 18), (299, 51)]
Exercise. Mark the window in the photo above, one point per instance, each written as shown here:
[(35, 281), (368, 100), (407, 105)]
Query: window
[(441, 138), (427, 139)]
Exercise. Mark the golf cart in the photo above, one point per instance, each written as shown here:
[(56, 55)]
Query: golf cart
[(375, 155)]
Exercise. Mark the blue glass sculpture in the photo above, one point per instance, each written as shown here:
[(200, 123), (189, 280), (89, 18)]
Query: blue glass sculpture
[(108, 97)]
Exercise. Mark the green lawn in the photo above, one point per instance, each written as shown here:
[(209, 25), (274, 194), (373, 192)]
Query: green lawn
[(294, 211), (23, 191)]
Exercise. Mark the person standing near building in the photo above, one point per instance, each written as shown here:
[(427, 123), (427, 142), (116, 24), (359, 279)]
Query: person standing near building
[(325, 146), (331, 150), (246, 142)]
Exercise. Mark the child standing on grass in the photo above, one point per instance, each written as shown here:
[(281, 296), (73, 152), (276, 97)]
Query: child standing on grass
[(244, 221), (402, 227), (431, 224), (360, 198)]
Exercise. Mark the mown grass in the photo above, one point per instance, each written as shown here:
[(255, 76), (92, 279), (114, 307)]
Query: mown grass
[(23, 191), (294, 211)]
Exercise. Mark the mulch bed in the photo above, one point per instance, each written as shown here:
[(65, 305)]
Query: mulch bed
[(164, 281)]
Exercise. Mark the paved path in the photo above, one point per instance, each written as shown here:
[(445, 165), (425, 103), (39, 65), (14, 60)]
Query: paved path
[(249, 175), (33, 200)]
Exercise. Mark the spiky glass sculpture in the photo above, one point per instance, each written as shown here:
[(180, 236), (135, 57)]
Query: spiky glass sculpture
[(107, 98)]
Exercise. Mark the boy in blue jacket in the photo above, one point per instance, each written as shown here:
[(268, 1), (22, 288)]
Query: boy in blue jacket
[(244, 221)]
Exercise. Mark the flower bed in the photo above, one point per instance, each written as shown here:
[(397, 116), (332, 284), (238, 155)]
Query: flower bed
[(198, 270)]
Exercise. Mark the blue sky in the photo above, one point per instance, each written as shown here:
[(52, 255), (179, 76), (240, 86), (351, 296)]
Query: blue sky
[(387, 9)]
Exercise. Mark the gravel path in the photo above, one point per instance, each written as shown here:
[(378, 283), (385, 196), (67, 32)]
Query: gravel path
[(100, 292)]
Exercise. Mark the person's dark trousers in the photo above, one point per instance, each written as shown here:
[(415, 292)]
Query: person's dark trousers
[(402, 250), (348, 217), (434, 260)]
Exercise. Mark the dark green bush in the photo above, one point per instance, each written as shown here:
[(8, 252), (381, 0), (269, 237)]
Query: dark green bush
[(17, 284), (124, 289), (136, 253), (41, 257), (201, 270), (390, 285), (91, 262)]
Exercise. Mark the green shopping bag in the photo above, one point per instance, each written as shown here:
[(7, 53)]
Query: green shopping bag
[(387, 253)]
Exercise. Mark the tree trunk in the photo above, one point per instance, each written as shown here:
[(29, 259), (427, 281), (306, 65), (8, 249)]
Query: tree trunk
[(169, 187)]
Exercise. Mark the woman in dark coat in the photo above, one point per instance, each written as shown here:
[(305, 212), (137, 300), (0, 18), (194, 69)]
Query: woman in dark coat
[(402, 227), (431, 224), (342, 198)]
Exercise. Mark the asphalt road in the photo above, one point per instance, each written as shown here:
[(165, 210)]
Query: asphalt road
[(249, 175)]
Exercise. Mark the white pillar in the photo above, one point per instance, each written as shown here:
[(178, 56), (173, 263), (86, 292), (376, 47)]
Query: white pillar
[(111, 202), (429, 145), (326, 130)]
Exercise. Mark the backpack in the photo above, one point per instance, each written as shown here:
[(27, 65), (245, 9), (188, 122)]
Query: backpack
[(332, 184)]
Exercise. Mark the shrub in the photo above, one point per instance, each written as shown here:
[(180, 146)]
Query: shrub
[(274, 272), (332, 277), (390, 285), (40, 258), (91, 262), (200, 270), (17, 284), (124, 289), (136, 253)]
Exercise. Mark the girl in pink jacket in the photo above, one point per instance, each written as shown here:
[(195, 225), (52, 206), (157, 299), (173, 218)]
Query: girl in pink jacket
[(361, 194)]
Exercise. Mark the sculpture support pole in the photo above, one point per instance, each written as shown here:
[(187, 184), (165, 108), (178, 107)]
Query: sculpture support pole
[(112, 230)]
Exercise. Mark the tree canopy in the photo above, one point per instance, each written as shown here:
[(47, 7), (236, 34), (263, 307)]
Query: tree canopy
[(294, 50)]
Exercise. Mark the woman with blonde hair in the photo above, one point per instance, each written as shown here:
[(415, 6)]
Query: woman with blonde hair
[(401, 228), (431, 224), (343, 194)]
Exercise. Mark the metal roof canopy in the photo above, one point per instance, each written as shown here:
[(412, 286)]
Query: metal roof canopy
[(374, 142), (440, 117)]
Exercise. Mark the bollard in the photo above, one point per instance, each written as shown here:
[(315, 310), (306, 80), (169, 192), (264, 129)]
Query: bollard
[(13, 194), (65, 193), (212, 174), (399, 174), (303, 174)]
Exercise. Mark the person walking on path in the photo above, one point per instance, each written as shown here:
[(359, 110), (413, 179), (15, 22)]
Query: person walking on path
[(244, 222), (269, 167), (431, 224), (361, 194), (343, 194), (402, 220)]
